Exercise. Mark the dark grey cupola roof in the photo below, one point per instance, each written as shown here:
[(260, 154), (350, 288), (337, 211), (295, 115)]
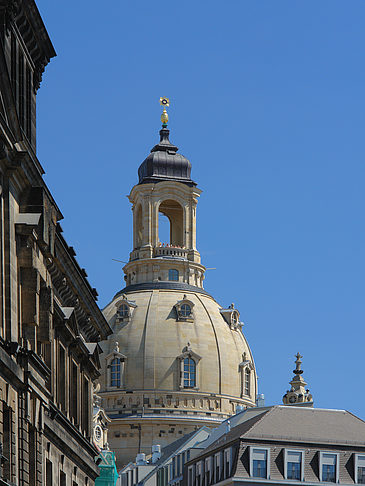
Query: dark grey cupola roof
[(165, 164)]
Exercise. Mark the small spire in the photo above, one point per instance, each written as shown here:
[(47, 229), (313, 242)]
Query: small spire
[(298, 362), (298, 394), (165, 102)]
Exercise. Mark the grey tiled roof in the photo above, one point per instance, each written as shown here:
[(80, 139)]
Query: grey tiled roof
[(235, 433), (313, 425), (296, 424), (174, 446)]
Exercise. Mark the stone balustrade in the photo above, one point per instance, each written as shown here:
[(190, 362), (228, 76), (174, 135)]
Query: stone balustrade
[(170, 251)]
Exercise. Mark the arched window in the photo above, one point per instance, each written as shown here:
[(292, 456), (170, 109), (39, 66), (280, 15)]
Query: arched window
[(173, 275), (171, 230), (138, 228), (123, 310), (247, 381), (115, 372), (185, 310), (189, 373)]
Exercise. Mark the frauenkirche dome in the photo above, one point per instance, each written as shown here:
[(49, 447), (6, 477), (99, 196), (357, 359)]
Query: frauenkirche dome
[(177, 359)]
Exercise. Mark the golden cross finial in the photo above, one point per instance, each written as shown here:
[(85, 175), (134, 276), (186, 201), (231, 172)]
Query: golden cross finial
[(165, 102)]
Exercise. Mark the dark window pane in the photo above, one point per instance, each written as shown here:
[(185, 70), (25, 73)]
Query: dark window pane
[(259, 469), (293, 471), (329, 473), (361, 475)]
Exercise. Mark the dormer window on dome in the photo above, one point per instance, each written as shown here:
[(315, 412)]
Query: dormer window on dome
[(189, 361), (184, 310), (125, 309), (232, 317), (115, 368), (246, 370)]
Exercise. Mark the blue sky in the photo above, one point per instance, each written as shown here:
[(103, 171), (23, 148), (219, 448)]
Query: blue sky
[(267, 102)]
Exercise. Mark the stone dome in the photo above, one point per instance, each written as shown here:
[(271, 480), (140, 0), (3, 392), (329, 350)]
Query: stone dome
[(154, 338), (153, 341)]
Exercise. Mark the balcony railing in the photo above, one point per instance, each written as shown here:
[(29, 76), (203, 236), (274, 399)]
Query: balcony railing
[(171, 252)]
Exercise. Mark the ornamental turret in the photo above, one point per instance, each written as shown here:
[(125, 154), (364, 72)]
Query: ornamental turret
[(298, 394)]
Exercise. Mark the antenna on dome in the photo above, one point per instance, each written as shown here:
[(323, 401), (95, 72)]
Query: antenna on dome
[(120, 261)]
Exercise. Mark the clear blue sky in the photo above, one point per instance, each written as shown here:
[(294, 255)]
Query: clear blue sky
[(267, 102)]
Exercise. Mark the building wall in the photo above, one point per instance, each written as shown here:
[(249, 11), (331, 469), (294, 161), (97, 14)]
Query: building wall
[(49, 319)]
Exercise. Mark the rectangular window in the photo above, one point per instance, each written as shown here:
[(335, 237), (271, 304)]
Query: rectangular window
[(191, 476), (178, 459), (28, 103), (61, 377), (13, 66), (227, 462), (21, 88), (74, 391), (247, 381), (208, 470), (217, 467), (32, 455), (294, 465), (259, 463), (7, 441), (49, 473), (173, 471), (360, 469), (328, 467), (62, 478), (159, 482), (48, 361), (85, 406), (199, 473)]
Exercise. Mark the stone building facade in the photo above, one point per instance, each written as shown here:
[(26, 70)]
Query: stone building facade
[(177, 360), (50, 324)]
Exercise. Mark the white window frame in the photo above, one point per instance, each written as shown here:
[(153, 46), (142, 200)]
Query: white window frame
[(191, 480), (267, 449), (199, 473), (228, 452), (219, 456), (321, 454), (301, 464), (356, 465), (208, 467), (178, 465)]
